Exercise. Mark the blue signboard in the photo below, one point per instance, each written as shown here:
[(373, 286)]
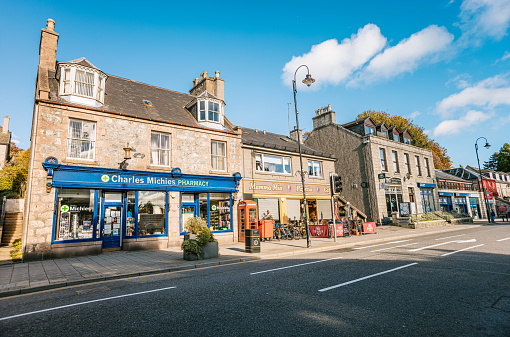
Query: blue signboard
[(426, 185), (461, 194), (446, 194), (99, 178)]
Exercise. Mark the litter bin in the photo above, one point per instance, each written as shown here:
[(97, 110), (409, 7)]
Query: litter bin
[(252, 242)]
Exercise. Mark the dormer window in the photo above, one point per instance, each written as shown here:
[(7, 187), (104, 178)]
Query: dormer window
[(210, 109), (369, 130), (395, 137), (407, 140), (82, 85)]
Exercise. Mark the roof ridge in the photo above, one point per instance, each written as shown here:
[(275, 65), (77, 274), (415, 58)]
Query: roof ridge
[(150, 85)]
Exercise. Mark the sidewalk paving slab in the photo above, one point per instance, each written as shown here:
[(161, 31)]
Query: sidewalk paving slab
[(36, 276)]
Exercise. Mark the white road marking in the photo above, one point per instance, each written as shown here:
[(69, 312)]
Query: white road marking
[(81, 303), (503, 239), (448, 237), (295, 265), (382, 244), (440, 244), (367, 277), (461, 250), (409, 244)]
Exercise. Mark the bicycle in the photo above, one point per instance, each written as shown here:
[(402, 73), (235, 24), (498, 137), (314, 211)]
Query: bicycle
[(282, 232)]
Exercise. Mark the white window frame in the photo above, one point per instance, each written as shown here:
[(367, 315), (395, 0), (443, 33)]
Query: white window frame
[(217, 157), (159, 149), (263, 161), (315, 165), (82, 139), (207, 111), (68, 81)]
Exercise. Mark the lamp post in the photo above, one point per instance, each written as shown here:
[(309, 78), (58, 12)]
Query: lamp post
[(308, 81), (487, 145)]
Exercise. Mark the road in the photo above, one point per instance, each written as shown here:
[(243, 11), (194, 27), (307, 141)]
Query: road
[(453, 284)]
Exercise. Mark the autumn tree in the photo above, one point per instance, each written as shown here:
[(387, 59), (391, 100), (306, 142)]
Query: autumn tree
[(441, 159), (13, 176), (499, 161)]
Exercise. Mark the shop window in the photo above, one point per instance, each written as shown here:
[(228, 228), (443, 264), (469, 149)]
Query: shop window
[(130, 219), (395, 161), (272, 164), (314, 169), (151, 213), (81, 139), (160, 149), (382, 154), (218, 155), (202, 205), (75, 214), (219, 206)]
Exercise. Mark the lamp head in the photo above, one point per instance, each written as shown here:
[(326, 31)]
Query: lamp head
[(308, 80), (487, 145), (127, 152)]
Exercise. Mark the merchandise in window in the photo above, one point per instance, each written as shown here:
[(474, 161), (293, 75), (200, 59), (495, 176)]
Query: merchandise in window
[(75, 214), (130, 219), (203, 206), (218, 156), (151, 213), (219, 206), (160, 149), (314, 169), (81, 139), (272, 164)]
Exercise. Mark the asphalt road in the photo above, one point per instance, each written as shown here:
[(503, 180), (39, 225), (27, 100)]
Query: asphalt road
[(453, 284)]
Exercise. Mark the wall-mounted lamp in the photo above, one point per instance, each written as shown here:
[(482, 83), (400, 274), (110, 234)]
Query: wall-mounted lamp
[(354, 185), (127, 155)]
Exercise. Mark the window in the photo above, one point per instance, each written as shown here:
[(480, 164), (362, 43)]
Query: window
[(219, 205), (418, 167), (151, 213), (408, 165), (369, 130), (66, 81), (384, 133), (395, 161), (88, 83), (160, 149), (218, 156), (209, 109), (84, 83), (395, 137), (427, 167), (382, 154), (272, 164), (81, 139), (75, 214), (314, 169), (407, 140)]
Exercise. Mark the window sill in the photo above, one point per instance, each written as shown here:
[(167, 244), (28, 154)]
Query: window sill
[(80, 161), (277, 173), (160, 168)]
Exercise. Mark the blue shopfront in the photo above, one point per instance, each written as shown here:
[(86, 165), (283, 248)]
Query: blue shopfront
[(120, 209), (427, 197), (445, 201)]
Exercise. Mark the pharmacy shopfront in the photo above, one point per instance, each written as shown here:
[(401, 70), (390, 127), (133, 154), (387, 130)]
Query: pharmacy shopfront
[(99, 209)]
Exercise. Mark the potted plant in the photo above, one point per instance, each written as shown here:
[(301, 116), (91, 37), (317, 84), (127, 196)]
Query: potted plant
[(200, 243)]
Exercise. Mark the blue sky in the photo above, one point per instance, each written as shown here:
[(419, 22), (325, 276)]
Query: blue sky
[(445, 64)]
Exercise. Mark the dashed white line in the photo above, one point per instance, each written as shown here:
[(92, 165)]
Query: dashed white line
[(409, 244), (81, 303), (448, 237), (367, 277), (295, 265), (461, 250), (382, 244), (503, 239)]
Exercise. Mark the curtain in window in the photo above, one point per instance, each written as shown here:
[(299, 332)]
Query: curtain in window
[(84, 83)]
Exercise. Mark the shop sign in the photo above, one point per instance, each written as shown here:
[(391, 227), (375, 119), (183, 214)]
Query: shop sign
[(394, 181), (446, 194), (393, 189), (461, 194), (502, 208), (425, 185), (474, 195), (271, 187)]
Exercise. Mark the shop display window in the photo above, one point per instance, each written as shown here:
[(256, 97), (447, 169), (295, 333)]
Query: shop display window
[(130, 216), (203, 206), (151, 213), (75, 214), (219, 206)]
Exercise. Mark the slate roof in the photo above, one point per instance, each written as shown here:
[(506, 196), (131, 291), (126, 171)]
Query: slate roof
[(446, 176), (126, 97), (279, 142), (462, 173)]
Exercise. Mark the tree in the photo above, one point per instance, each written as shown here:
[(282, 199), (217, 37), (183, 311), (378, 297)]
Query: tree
[(441, 159), (13, 151), (13, 176), (499, 161)]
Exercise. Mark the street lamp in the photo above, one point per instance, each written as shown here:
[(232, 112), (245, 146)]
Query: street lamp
[(308, 81), (487, 145)]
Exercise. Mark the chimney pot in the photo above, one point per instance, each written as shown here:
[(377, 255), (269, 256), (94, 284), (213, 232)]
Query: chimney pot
[(203, 75), (329, 107), (50, 25), (217, 74)]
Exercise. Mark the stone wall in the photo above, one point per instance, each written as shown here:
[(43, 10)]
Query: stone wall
[(190, 151)]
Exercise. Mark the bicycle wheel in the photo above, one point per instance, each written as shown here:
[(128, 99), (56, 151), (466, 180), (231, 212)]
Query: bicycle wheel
[(297, 234), (278, 234)]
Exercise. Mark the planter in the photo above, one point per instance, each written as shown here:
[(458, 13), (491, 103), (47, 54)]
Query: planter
[(208, 251), (428, 224), (188, 236), (460, 220)]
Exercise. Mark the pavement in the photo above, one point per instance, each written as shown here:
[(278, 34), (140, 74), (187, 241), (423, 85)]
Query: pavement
[(20, 278)]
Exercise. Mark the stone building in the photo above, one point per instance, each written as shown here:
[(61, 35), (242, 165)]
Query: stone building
[(381, 171), (271, 176), (119, 164), (5, 142)]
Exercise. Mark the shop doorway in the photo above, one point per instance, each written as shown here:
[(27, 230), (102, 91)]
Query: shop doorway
[(393, 203), (188, 212), (111, 222)]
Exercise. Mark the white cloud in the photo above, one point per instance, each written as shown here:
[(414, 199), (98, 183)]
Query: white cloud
[(506, 56), (414, 114), (407, 55), (454, 126), (331, 62), (488, 93), (460, 81), (484, 18)]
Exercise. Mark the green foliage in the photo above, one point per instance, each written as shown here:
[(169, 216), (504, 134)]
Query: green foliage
[(194, 225), (191, 246), (16, 252), (425, 217), (499, 161), (13, 177), (205, 236), (420, 139)]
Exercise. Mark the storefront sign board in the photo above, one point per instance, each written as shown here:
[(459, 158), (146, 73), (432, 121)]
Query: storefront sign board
[(280, 188)]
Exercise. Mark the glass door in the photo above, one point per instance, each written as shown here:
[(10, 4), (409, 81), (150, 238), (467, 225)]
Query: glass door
[(188, 212), (112, 220)]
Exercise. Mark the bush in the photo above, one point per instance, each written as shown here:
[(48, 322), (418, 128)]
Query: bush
[(194, 225), (191, 246), (425, 217), (199, 227), (16, 253)]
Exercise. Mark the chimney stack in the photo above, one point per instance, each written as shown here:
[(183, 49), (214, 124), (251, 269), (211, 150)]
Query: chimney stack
[(323, 116), (48, 46), (215, 85), (297, 135), (5, 127)]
